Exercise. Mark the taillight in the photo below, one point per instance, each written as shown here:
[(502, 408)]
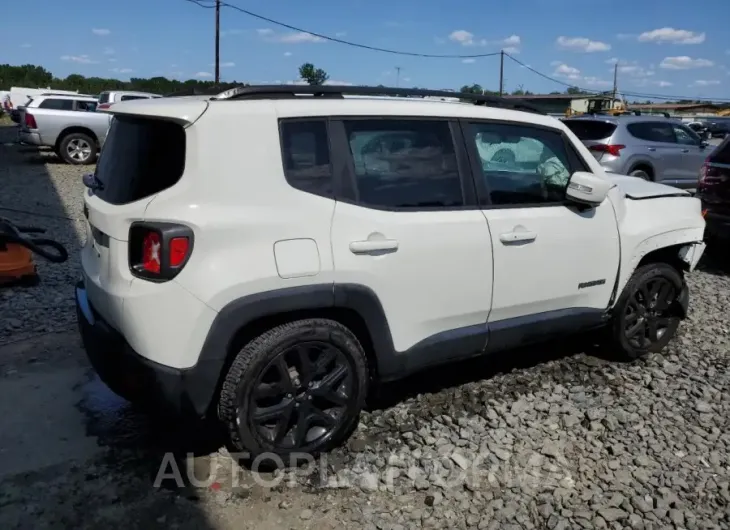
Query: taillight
[(704, 170), (103, 106), (614, 149), (30, 121), (159, 251)]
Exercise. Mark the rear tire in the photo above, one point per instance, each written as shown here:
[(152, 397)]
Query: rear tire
[(78, 149), (297, 388), (644, 318), (641, 173)]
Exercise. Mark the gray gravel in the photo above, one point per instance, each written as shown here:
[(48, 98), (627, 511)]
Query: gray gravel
[(550, 437)]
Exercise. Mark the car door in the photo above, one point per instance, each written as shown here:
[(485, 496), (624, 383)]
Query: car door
[(555, 262), (693, 154), (408, 228), (656, 140)]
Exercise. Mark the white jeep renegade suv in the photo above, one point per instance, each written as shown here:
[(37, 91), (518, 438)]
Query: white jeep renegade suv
[(266, 255)]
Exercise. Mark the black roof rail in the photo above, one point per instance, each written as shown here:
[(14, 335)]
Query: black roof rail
[(334, 91), (196, 91)]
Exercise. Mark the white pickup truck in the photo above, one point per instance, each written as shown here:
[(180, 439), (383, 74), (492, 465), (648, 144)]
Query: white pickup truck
[(67, 123)]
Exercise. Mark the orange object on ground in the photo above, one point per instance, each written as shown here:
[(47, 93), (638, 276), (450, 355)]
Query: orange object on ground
[(16, 264)]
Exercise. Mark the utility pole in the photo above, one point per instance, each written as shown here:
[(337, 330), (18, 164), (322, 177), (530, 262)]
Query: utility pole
[(217, 42), (501, 73), (397, 76), (615, 81)]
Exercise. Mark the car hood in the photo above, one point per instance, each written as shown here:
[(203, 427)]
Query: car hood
[(638, 188)]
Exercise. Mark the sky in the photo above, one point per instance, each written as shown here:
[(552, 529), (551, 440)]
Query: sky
[(663, 47)]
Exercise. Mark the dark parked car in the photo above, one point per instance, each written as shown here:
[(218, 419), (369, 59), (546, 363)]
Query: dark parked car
[(719, 129), (714, 191), (701, 128)]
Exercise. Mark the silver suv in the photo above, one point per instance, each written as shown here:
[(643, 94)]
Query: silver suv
[(651, 147)]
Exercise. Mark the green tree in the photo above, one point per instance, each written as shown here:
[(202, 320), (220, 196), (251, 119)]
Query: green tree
[(32, 76), (312, 75)]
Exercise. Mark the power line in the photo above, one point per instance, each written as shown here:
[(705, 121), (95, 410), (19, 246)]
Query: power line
[(592, 91), (338, 40)]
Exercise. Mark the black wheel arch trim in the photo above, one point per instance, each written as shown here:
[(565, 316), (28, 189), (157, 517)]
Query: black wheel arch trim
[(204, 379)]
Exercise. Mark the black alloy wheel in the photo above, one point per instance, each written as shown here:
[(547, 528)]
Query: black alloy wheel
[(301, 397), (296, 388), (647, 317), (647, 314)]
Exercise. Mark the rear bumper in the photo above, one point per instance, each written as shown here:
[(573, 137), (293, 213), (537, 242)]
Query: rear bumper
[(180, 392), (28, 137)]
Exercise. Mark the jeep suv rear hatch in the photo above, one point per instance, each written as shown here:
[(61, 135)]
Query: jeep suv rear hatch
[(144, 154)]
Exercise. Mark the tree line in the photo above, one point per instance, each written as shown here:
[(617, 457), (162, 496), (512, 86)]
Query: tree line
[(29, 75)]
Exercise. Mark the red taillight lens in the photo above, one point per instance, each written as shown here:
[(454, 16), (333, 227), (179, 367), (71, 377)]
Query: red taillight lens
[(159, 251), (151, 248), (30, 121), (614, 150), (178, 250), (103, 106)]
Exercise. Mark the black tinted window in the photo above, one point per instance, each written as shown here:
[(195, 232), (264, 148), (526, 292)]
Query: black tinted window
[(57, 104), (590, 130), (88, 106), (127, 98), (104, 97), (652, 131), (721, 154), (306, 154), (521, 164), (404, 163), (140, 157)]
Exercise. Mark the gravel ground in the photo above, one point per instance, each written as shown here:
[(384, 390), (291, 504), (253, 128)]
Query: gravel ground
[(550, 437)]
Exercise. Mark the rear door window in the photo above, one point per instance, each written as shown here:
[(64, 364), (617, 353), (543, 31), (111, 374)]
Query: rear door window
[(590, 130), (141, 157), (57, 104), (652, 131), (404, 163), (86, 106)]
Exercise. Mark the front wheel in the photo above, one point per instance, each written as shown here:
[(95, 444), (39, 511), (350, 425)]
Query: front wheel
[(640, 173), (645, 317), (297, 388)]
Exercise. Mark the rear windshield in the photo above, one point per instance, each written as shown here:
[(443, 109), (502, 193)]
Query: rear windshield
[(590, 130), (721, 154), (103, 97), (141, 157)]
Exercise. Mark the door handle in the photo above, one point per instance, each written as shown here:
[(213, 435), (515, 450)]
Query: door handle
[(651, 148), (373, 245), (515, 237), (685, 150)]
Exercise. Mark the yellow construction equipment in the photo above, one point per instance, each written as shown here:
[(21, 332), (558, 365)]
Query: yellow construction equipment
[(724, 112), (601, 106)]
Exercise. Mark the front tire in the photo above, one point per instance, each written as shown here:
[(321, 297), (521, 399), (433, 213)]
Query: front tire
[(645, 318), (297, 388), (78, 149)]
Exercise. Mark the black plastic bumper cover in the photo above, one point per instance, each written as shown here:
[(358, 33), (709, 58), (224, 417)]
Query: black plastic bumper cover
[(182, 392)]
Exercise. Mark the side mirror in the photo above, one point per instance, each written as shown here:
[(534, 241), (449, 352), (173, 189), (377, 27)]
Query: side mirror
[(587, 188)]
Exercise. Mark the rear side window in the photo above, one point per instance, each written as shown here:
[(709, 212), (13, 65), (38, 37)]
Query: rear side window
[(87, 106), (306, 156), (57, 104), (721, 154), (127, 97), (404, 163), (104, 97), (590, 130), (652, 131), (140, 157)]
